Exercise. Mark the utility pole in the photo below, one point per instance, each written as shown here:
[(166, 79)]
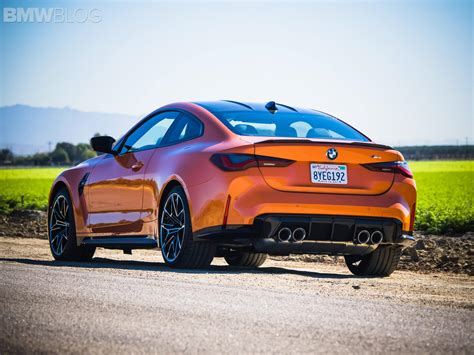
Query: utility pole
[(49, 146)]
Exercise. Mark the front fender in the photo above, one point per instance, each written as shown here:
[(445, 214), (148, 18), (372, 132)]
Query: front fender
[(70, 179)]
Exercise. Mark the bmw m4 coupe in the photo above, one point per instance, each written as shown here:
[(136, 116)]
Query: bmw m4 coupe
[(240, 181)]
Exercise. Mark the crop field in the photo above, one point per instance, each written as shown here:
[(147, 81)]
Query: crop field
[(445, 196), (445, 193), (26, 188)]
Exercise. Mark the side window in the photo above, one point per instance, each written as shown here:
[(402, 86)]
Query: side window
[(185, 128), (150, 134)]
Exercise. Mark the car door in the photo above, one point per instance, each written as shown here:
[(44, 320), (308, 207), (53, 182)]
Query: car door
[(114, 191)]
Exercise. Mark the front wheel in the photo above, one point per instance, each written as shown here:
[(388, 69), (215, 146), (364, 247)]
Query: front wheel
[(62, 230), (178, 248), (381, 262)]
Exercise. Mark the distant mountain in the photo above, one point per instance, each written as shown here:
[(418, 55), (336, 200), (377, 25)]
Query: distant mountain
[(27, 130)]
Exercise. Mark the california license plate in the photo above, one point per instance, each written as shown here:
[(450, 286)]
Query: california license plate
[(328, 174)]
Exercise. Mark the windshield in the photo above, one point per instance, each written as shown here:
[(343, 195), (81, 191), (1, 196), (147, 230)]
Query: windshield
[(285, 124)]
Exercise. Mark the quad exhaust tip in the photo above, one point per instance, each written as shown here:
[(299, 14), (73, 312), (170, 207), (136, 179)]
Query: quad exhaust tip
[(376, 237), (363, 236), (298, 235), (286, 235)]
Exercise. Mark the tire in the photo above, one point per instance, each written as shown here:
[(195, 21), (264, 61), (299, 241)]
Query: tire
[(382, 262), (62, 230), (246, 259), (178, 248)]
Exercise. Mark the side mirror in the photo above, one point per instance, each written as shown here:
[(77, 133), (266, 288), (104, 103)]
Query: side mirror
[(103, 144)]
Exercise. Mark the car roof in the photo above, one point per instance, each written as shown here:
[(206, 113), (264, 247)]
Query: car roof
[(230, 105)]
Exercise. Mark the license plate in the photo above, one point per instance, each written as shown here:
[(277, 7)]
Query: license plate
[(329, 174)]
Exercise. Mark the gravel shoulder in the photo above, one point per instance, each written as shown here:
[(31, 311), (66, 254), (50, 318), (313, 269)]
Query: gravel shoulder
[(134, 303)]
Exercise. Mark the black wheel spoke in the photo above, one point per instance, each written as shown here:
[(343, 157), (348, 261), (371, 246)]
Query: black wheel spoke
[(173, 227), (59, 225)]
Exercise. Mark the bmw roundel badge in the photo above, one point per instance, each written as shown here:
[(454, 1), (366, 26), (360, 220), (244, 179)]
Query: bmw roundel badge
[(331, 153)]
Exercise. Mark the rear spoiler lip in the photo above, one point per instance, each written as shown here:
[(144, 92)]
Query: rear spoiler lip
[(307, 141)]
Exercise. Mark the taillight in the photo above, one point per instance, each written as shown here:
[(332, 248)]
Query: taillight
[(236, 162), (400, 167)]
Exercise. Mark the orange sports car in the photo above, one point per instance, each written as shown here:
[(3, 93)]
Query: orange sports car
[(240, 181)]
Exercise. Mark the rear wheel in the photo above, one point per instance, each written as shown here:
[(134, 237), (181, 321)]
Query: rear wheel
[(178, 248), (382, 262), (62, 230), (244, 258)]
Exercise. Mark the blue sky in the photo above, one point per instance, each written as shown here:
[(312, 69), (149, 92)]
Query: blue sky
[(401, 71)]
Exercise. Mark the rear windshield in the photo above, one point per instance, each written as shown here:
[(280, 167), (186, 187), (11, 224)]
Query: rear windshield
[(285, 124)]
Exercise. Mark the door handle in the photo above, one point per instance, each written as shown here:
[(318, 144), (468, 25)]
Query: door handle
[(137, 166)]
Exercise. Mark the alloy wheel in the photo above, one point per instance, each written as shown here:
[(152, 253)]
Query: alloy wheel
[(173, 226), (59, 225)]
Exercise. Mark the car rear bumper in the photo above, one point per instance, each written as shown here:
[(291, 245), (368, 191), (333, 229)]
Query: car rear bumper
[(334, 235), (247, 197)]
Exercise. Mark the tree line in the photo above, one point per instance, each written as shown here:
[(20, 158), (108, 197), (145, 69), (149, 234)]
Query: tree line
[(438, 152), (63, 154)]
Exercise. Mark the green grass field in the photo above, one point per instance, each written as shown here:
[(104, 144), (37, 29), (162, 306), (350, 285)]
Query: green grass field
[(26, 188), (445, 193), (445, 196)]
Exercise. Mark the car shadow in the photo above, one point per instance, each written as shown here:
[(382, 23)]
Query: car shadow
[(104, 263)]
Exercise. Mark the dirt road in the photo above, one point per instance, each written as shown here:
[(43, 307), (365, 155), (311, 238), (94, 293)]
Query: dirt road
[(122, 303)]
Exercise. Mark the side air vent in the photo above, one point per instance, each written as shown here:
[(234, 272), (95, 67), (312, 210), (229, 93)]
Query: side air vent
[(82, 183)]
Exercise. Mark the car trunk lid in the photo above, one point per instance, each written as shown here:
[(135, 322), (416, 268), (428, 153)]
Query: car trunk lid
[(305, 152)]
